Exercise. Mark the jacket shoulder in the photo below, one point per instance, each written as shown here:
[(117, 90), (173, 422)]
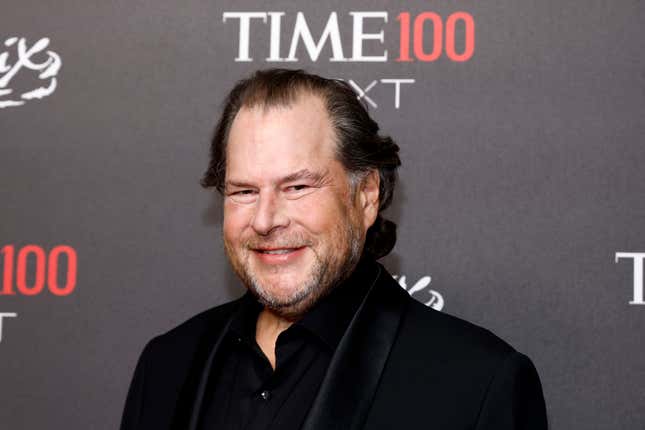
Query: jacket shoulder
[(169, 368), (452, 335), (424, 330), (455, 372), (188, 333)]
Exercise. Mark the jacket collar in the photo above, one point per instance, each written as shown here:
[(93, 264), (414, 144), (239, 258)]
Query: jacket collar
[(349, 385), (347, 391)]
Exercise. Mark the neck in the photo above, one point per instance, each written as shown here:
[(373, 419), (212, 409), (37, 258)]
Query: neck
[(267, 329)]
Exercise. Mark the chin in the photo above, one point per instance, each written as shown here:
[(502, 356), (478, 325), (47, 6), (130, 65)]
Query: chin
[(286, 296), (292, 311), (279, 291)]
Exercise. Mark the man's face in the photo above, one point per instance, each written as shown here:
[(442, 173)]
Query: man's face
[(292, 226)]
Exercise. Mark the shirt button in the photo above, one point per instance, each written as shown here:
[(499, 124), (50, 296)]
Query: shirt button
[(265, 395)]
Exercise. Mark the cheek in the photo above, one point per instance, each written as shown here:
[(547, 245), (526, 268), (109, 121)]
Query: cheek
[(320, 215), (236, 219)]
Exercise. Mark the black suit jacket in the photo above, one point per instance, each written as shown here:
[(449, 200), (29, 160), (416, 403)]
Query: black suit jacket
[(400, 365)]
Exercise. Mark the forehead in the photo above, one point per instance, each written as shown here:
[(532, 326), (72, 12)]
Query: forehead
[(266, 143)]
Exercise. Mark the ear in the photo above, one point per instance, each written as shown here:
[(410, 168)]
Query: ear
[(369, 197)]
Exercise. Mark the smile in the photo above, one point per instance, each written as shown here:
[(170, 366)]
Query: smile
[(278, 255)]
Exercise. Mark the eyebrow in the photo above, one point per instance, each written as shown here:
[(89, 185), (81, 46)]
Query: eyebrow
[(296, 176), (303, 174)]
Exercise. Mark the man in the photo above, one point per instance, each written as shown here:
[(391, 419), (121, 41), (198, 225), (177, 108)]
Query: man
[(324, 338)]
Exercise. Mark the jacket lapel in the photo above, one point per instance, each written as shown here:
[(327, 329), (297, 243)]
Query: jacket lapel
[(350, 383), (203, 379), (191, 396)]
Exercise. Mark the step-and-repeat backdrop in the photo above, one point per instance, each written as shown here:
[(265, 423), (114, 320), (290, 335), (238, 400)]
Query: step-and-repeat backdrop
[(521, 204)]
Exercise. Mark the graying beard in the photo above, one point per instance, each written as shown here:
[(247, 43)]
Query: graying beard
[(276, 305), (316, 284)]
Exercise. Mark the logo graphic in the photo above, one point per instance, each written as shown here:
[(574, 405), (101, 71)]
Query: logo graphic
[(638, 258), (356, 37), (436, 300), (44, 63), (413, 30)]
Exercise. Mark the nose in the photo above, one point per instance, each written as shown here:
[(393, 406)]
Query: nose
[(270, 214)]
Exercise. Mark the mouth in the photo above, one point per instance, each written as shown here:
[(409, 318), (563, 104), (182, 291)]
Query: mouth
[(278, 255), (276, 251)]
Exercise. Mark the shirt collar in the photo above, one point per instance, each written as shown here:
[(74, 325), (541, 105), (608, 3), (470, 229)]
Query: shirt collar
[(330, 317)]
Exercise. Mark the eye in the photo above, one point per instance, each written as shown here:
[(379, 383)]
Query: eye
[(296, 191), (243, 196)]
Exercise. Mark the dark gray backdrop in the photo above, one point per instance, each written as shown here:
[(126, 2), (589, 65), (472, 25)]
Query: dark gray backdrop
[(521, 179)]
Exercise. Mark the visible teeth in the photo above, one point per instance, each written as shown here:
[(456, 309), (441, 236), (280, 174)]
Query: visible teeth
[(277, 251)]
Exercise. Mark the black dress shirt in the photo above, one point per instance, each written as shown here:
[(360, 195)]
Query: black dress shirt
[(245, 393)]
